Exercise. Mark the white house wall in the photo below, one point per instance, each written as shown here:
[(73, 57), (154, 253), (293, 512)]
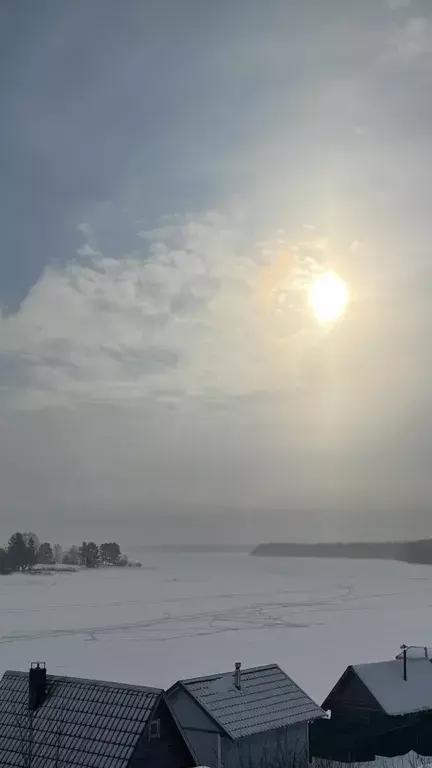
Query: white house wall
[(201, 731)]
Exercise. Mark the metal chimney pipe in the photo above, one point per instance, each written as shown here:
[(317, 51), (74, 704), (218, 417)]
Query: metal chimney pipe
[(238, 675), (404, 648)]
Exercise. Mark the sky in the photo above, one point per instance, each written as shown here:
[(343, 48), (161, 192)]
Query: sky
[(174, 176)]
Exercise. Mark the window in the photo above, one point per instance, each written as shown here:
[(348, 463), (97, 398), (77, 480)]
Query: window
[(154, 730)]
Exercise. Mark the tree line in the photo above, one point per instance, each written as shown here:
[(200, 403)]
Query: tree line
[(24, 551)]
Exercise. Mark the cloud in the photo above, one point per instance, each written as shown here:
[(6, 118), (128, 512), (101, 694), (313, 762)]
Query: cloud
[(414, 39), (85, 228), (202, 337), (87, 250), (396, 5), (198, 310), (195, 358)]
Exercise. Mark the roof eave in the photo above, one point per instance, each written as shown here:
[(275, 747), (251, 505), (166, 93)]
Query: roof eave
[(317, 717), (261, 731), (407, 714), (87, 680)]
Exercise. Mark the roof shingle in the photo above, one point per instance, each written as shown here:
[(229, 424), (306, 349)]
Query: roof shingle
[(268, 699), (82, 723)]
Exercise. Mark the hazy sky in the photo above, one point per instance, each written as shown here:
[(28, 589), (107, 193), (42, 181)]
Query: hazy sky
[(173, 175)]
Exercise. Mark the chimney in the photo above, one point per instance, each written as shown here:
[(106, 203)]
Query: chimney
[(237, 675), (37, 685), (404, 649)]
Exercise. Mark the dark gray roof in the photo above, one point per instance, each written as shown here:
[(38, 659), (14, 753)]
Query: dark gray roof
[(268, 699), (85, 723)]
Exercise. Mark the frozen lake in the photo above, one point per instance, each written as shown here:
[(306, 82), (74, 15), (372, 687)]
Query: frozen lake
[(183, 615)]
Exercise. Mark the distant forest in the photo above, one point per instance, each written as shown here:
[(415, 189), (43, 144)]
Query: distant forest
[(24, 551), (419, 551)]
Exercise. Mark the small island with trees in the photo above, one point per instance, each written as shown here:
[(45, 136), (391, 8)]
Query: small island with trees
[(24, 552)]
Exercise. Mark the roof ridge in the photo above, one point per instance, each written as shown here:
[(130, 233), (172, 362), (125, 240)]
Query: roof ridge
[(244, 671), (389, 661), (88, 681)]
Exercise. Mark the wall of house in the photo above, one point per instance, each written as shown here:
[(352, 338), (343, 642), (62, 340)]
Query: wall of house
[(167, 751), (200, 730), (282, 748)]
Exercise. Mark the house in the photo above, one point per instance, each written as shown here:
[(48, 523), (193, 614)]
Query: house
[(243, 719), (63, 722), (381, 708)]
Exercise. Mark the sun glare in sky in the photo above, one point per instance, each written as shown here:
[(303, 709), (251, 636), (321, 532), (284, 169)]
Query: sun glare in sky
[(328, 297)]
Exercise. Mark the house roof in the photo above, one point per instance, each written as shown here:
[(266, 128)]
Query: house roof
[(397, 696), (84, 723), (268, 699)]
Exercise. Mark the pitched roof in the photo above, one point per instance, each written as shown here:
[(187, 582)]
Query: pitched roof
[(268, 699), (84, 723), (397, 696)]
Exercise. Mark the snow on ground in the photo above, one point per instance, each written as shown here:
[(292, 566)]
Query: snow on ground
[(410, 760), (183, 615)]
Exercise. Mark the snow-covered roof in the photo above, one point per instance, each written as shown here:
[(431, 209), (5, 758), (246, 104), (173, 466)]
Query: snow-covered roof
[(397, 696), (267, 699)]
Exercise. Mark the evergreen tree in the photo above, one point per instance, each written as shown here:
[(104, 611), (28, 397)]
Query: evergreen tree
[(17, 552), (110, 553), (4, 561), (31, 552), (45, 554), (89, 554)]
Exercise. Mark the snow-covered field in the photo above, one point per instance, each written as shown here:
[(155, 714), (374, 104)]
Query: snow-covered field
[(184, 615)]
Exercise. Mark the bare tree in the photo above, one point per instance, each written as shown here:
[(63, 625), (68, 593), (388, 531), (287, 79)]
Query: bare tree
[(58, 553)]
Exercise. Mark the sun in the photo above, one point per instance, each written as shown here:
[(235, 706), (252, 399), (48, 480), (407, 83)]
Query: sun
[(329, 297)]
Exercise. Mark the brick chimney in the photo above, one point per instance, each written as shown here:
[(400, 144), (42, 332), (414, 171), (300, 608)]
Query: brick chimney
[(37, 685)]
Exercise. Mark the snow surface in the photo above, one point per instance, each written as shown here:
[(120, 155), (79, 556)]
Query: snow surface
[(398, 696), (410, 760), (187, 615)]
